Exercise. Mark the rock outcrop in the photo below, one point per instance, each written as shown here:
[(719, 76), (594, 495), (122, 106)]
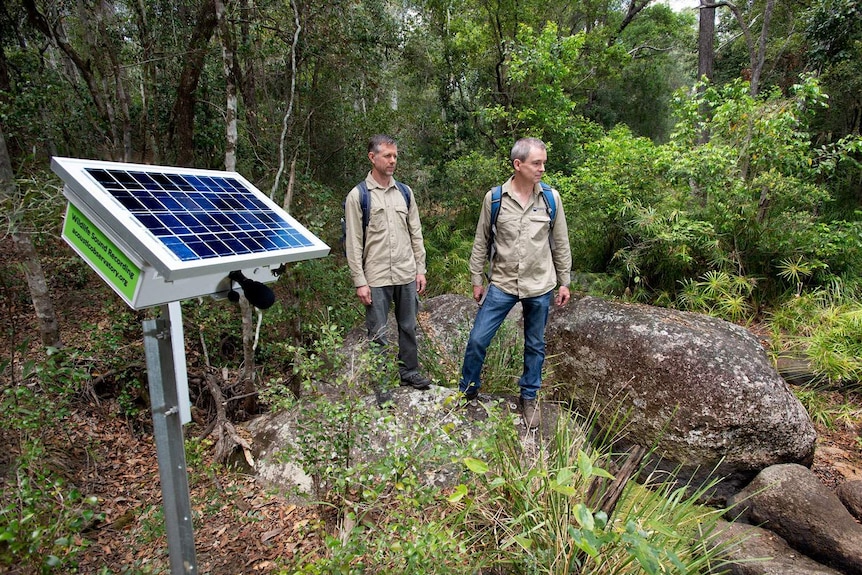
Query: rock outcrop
[(752, 550), (790, 501), (850, 494), (700, 388)]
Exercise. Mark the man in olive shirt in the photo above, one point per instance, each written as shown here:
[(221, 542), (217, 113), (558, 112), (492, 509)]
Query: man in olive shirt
[(388, 265), (532, 257)]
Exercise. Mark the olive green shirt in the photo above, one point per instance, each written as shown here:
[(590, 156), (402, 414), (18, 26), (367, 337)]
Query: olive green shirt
[(524, 265), (394, 252)]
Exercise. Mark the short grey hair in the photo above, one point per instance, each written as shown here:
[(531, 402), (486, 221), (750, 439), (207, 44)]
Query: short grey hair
[(522, 148), (380, 139)]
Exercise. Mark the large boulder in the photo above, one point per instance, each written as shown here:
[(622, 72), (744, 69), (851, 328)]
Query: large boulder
[(700, 388), (750, 550), (792, 502), (850, 494)]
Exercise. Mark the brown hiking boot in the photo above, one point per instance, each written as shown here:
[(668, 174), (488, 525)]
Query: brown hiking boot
[(531, 413)]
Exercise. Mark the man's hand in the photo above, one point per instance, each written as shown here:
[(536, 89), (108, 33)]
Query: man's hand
[(364, 293), (563, 296), (420, 284), (478, 293)]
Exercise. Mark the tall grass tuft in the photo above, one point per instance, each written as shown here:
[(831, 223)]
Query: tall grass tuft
[(532, 513)]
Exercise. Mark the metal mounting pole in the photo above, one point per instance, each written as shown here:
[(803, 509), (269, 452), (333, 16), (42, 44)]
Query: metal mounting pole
[(168, 432)]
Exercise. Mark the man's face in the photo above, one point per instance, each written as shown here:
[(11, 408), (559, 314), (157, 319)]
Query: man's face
[(533, 167), (383, 161)]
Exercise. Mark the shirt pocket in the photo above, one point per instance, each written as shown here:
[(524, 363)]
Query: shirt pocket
[(379, 219), (508, 231), (539, 226)]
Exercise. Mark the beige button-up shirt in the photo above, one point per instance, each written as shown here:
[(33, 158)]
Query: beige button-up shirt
[(394, 252), (524, 264)]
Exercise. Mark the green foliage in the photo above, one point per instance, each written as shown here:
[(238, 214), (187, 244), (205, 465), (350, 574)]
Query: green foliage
[(331, 430), (618, 169), (514, 508), (747, 204), (532, 511), (44, 391), (827, 411), (114, 348), (825, 327), (660, 61), (391, 517), (448, 248), (664, 246), (465, 178), (721, 295), (44, 110), (41, 518), (546, 73)]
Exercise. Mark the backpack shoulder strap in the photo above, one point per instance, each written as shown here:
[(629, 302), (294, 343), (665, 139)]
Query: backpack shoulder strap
[(550, 202), (364, 205), (496, 198), (405, 191)]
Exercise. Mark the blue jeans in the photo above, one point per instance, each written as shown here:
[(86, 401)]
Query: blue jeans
[(406, 306), (494, 310)]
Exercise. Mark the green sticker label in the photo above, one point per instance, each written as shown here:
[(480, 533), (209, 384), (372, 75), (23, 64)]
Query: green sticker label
[(101, 253)]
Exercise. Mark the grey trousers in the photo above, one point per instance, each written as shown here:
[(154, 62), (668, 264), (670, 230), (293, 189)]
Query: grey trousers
[(406, 306)]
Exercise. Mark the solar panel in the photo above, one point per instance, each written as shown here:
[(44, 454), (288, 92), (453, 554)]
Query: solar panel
[(184, 223), (200, 217)]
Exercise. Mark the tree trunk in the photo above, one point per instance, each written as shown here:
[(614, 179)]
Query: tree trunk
[(148, 120), (288, 195), (184, 105), (229, 59), (104, 37), (248, 85), (247, 374), (49, 329), (706, 41), (705, 64), (760, 55), (756, 54), (285, 123)]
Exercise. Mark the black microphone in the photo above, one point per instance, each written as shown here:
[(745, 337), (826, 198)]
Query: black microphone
[(257, 294)]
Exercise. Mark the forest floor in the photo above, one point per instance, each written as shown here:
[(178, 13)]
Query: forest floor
[(239, 526)]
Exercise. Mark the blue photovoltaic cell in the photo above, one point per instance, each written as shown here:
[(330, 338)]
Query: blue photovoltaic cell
[(200, 217)]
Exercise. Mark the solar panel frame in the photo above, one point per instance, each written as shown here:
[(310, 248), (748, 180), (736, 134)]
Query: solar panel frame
[(206, 222)]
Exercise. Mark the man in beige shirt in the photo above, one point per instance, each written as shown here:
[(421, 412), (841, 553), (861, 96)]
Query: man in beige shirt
[(532, 256), (387, 257)]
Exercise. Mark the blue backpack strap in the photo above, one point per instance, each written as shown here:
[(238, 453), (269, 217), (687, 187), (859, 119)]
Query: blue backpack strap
[(551, 204), (405, 191), (496, 197), (364, 205)]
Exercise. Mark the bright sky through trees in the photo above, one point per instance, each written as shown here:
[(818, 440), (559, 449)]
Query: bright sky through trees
[(678, 5)]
